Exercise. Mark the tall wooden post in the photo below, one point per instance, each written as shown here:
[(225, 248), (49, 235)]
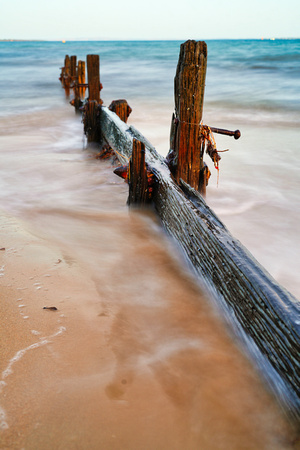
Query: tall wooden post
[(67, 66), (186, 139), (93, 70), (73, 61), (76, 102), (91, 119), (138, 181), (66, 76), (81, 78)]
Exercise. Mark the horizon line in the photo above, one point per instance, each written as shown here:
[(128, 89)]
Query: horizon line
[(144, 40)]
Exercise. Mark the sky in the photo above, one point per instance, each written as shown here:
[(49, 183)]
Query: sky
[(154, 19)]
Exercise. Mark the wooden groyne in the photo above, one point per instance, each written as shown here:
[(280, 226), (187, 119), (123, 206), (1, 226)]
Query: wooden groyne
[(267, 313)]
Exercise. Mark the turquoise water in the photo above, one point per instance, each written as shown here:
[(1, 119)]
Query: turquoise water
[(246, 77)]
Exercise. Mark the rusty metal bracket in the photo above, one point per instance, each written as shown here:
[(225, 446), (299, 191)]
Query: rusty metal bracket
[(236, 134)]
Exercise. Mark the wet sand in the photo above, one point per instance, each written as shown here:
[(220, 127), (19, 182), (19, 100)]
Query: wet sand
[(134, 357)]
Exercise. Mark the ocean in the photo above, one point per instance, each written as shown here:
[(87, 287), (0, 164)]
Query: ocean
[(52, 186), (251, 85)]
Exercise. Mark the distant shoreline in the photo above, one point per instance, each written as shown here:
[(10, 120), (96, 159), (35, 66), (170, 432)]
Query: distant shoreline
[(149, 40)]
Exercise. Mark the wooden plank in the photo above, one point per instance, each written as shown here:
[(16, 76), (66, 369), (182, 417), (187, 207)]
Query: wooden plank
[(267, 312)]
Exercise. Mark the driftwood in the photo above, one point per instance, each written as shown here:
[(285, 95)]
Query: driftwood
[(267, 313)]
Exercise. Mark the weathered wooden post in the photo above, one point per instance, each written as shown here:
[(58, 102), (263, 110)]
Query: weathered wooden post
[(121, 108), (61, 77), (93, 70), (137, 177), (66, 76), (91, 116), (81, 78), (73, 62), (76, 102), (77, 85), (186, 141)]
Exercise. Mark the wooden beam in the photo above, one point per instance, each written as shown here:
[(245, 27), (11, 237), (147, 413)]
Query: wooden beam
[(265, 311)]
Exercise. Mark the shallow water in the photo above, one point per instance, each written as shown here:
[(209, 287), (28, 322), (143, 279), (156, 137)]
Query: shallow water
[(43, 163)]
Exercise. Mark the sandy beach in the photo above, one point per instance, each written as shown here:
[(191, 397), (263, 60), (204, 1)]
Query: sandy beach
[(140, 365)]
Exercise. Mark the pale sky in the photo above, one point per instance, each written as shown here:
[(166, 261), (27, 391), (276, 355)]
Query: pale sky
[(154, 19)]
